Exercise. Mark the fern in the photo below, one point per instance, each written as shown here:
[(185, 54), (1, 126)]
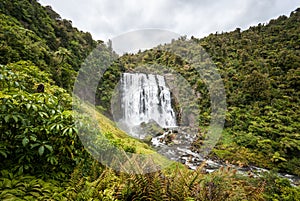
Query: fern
[(25, 187)]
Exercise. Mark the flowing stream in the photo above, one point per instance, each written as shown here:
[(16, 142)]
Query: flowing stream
[(175, 151), (146, 108)]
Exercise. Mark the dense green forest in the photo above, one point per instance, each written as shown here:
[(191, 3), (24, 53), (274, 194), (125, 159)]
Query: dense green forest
[(260, 71), (42, 157)]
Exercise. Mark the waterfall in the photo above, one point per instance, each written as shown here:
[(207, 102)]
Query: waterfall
[(145, 98)]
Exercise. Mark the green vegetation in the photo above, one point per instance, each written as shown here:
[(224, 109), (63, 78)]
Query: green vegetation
[(260, 71), (38, 34), (43, 158), (260, 68)]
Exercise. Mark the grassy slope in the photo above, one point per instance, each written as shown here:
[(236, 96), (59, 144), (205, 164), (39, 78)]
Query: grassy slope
[(121, 139)]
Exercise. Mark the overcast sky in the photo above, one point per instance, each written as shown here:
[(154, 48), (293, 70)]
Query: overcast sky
[(106, 19)]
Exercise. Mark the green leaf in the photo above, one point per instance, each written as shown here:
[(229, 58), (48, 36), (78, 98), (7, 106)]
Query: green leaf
[(53, 160), (49, 147), (70, 131), (28, 106), (15, 118), (34, 107), (25, 141), (3, 153), (76, 130), (21, 169), (33, 138), (6, 118), (43, 114), (65, 130), (52, 127), (58, 126), (34, 145), (41, 150)]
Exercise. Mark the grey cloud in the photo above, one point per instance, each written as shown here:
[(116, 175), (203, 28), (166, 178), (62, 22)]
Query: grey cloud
[(108, 18), (141, 40)]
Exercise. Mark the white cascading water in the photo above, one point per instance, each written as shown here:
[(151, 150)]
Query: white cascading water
[(145, 98)]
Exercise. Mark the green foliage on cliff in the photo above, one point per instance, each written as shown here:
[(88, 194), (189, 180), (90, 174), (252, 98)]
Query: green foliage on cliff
[(38, 34)]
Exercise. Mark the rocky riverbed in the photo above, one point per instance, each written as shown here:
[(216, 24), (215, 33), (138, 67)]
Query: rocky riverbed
[(177, 147)]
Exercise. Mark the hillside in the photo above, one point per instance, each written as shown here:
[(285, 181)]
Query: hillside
[(260, 71), (38, 34), (41, 148)]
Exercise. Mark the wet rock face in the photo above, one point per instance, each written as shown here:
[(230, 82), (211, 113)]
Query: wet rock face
[(151, 128)]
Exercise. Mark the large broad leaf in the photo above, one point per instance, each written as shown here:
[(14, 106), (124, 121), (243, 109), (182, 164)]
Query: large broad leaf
[(41, 150)]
